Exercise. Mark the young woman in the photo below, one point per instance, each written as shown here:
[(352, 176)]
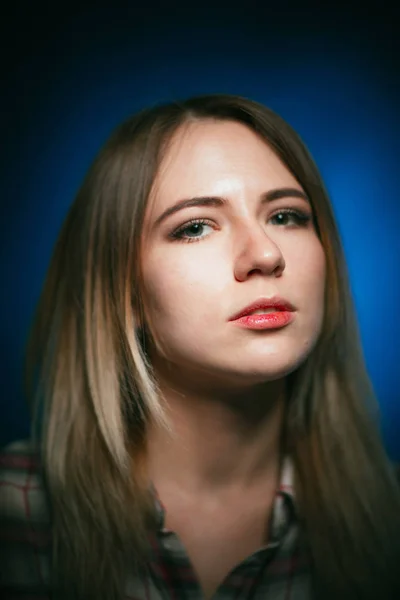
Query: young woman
[(204, 422)]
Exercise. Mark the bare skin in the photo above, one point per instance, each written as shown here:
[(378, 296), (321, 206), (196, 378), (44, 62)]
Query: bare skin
[(218, 500), (224, 386)]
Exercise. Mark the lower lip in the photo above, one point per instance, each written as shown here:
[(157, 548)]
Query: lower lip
[(273, 320)]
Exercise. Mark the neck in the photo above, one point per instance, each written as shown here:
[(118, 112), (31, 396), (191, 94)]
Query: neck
[(220, 441)]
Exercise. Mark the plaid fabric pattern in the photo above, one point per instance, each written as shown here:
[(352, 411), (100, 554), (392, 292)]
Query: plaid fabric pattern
[(277, 571)]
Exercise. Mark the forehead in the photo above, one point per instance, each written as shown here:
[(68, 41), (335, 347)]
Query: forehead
[(217, 158)]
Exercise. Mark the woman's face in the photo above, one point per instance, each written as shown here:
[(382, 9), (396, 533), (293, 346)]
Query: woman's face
[(203, 263)]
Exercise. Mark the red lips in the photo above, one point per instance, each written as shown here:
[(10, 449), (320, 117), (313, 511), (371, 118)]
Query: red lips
[(263, 303)]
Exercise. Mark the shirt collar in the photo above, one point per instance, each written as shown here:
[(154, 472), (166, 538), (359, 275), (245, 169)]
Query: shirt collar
[(284, 507)]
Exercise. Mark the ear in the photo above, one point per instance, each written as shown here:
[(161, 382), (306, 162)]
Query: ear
[(137, 312), (138, 321), (139, 324)]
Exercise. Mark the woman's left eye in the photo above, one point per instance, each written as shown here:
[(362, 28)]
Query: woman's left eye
[(297, 218)]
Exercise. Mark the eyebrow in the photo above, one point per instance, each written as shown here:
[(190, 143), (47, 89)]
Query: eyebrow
[(217, 201)]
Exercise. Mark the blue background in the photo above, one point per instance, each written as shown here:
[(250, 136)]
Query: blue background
[(71, 74)]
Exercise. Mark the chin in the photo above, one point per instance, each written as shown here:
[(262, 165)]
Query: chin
[(256, 376), (267, 370)]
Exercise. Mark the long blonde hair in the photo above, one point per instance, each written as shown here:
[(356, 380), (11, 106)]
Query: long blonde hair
[(94, 393)]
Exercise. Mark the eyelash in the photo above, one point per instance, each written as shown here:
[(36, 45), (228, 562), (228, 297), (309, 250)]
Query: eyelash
[(302, 221)]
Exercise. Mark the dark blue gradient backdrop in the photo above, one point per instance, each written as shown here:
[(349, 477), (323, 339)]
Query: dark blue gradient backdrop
[(71, 78)]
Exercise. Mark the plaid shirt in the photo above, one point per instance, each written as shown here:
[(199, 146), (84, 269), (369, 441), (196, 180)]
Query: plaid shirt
[(278, 571)]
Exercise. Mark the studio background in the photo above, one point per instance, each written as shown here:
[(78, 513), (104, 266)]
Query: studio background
[(71, 74)]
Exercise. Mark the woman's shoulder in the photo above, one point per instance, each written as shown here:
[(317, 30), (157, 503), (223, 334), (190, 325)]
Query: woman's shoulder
[(20, 448), (25, 536), (23, 496)]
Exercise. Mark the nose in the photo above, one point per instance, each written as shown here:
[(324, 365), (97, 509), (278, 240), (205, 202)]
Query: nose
[(258, 255)]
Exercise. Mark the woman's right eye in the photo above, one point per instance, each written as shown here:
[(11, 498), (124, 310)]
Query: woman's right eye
[(192, 231)]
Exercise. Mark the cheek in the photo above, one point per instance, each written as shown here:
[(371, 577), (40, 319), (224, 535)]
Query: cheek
[(318, 267), (192, 268), (177, 299), (174, 289), (314, 278), (306, 271)]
